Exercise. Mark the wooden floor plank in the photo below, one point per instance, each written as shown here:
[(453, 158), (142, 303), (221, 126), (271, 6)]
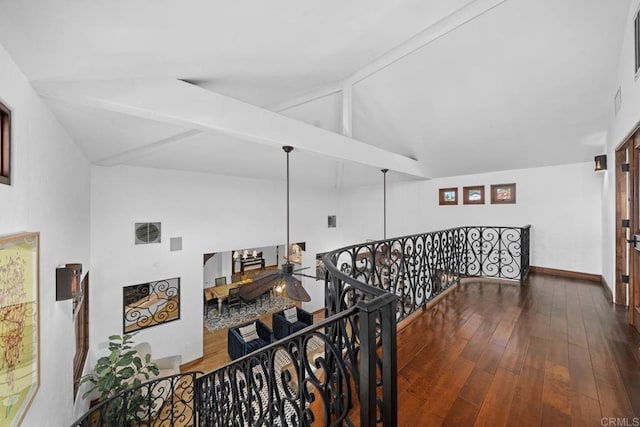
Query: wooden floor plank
[(550, 352), (527, 400), (496, 406), (581, 371), (462, 413)]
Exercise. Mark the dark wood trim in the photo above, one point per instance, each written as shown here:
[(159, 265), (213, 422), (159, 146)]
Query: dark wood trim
[(622, 212), (441, 198), (186, 367), (467, 190), (567, 273), (634, 200), (607, 290), (5, 145), (494, 194)]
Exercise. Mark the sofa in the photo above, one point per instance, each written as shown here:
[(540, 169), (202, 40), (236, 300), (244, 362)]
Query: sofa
[(238, 346)]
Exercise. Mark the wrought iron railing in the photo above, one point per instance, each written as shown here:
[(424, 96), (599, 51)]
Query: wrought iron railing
[(419, 267), (165, 401), (342, 370)]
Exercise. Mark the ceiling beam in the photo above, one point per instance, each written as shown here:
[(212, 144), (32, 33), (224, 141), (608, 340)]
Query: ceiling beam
[(176, 102)]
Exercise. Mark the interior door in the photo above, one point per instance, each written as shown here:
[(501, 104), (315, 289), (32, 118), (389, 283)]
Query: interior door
[(622, 224), (634, 256)]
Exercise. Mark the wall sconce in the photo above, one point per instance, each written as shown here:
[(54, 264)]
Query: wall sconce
[(68, 281), (601, 162)]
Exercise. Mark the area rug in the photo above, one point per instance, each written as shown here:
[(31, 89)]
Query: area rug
[(216, 321)]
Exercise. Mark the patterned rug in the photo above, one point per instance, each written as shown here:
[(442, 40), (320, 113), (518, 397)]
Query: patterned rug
[(215, 321)]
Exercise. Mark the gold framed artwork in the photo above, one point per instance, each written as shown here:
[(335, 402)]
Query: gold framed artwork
[(448, 196), (503, 193), (19, 324), (473, 195)]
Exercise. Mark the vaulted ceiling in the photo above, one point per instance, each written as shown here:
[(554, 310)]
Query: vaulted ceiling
[(427, 88)]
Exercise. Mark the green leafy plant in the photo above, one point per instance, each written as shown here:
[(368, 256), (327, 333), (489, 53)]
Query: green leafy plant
[(123, 368)]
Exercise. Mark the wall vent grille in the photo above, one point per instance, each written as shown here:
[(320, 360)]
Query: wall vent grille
[(147, 232)]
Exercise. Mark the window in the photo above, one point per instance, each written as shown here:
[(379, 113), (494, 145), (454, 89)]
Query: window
[(636, 37), (5, 144), (81, 309)]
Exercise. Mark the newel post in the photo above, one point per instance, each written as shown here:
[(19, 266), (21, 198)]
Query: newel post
[(383, 308)]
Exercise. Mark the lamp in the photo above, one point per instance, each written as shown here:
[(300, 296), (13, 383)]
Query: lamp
[(601, 162), (255, 253), (68, 281), (236, 255)]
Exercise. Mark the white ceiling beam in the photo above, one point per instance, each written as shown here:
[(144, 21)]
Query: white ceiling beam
[(449, 23), (346, 124), (183, 104)]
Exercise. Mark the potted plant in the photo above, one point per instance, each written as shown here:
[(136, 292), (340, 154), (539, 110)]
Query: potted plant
[(122, 369)]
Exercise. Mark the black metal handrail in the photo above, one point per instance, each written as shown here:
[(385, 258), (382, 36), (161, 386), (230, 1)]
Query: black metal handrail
[(342, 370)]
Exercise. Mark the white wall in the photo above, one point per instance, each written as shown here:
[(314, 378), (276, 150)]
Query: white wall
[(562, 204), (49, 194), (621, 125), (212, 269), (187, 205)]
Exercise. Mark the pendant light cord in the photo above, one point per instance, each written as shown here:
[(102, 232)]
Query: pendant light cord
[(287, 149), (384, 202), (287, 207)]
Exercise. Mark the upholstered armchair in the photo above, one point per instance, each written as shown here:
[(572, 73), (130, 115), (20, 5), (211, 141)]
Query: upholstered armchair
[(283, 327), (240, 344)]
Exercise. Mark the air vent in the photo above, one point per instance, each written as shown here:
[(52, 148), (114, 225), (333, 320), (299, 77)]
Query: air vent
[(147, 232), (331, 221), (175, 243)]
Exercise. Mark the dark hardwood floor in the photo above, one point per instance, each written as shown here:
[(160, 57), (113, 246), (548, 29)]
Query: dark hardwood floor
[(552, 352)]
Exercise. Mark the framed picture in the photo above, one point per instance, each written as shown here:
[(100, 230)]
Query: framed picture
[(503, 193), (473, 195), (19, 324), (449, 196), (150, 304)]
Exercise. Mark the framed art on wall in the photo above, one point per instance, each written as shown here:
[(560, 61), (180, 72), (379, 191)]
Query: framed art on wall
[(473, 195), (19, 324), (449, 196), (503, 193), (150, 304)]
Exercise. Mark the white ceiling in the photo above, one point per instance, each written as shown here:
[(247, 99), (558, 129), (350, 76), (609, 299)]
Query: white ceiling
[(525, 83)]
